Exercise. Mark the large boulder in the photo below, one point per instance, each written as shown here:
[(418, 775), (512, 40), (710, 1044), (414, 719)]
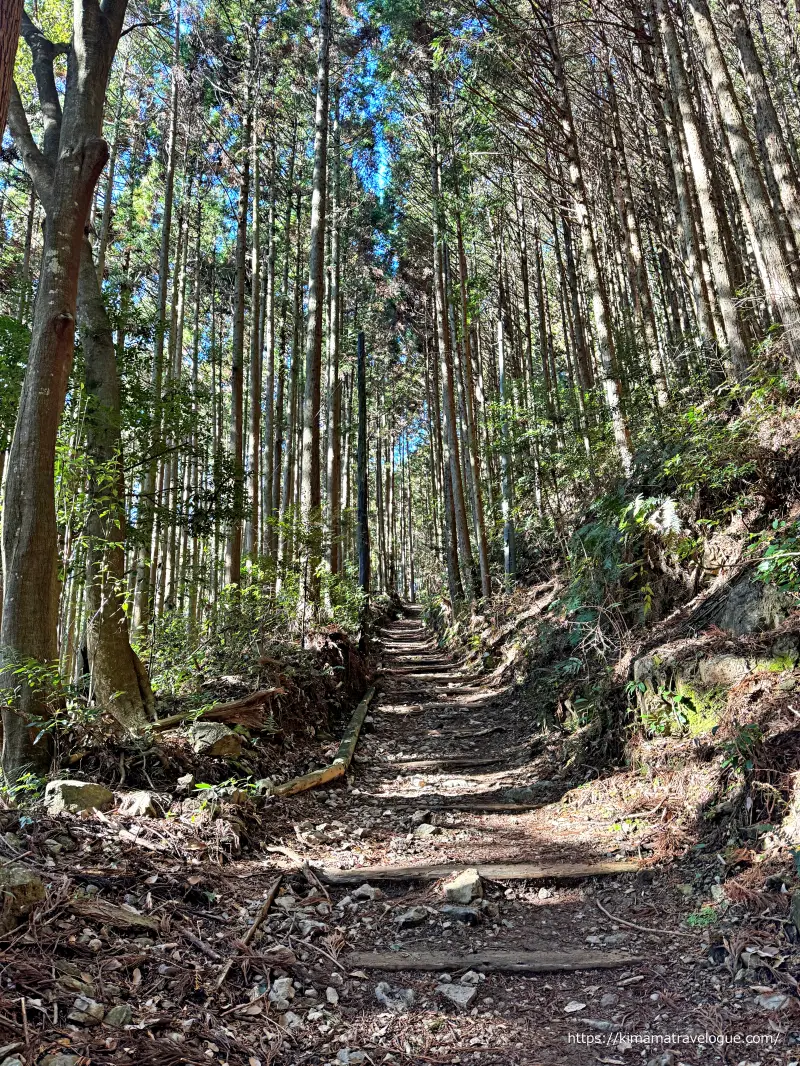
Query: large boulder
[(20, 891), (215, 739), (76, 796)]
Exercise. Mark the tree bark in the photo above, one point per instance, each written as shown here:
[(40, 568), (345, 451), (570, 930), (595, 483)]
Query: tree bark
[(72, 159), (725, 291), (311, 494), (10, 17)]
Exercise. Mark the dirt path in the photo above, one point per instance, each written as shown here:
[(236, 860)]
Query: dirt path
[(444, 751), (150, 950)]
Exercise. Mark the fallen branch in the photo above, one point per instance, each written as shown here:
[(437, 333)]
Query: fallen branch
[(643, 928), (338, 768), (251, 932), (244, 711)]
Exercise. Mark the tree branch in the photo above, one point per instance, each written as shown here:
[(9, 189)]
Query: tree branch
[(44, 53), (35, 163)]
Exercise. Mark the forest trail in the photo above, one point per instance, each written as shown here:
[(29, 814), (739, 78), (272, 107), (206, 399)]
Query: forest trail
[(538, 971)]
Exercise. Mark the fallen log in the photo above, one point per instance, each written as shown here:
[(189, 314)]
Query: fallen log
[(245, 711), (489, 961), (338, 768), (492, 871)]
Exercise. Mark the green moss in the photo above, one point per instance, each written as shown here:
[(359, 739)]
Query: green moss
[(682, 710), (702, 709), (778, 664)]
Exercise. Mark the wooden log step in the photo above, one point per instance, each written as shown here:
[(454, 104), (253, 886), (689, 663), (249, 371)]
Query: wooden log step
[(492, 871), (445, 761), (487, 808), (489, 961)]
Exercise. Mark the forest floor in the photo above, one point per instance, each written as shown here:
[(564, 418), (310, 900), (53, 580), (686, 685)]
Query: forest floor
[(666, 962)]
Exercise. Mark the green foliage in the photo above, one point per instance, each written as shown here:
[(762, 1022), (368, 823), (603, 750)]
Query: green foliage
[(780, 551), (15, 341), (26, 788), (702, 919), (682, 710), (739, 752)]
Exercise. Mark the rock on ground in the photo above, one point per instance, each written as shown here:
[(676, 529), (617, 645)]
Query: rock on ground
[(20, 891), (74, 796), (464, 888), (396, 999), (215, 739), (138, 805), (460, 995)]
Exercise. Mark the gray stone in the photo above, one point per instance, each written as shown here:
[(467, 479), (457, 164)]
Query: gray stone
[(464, 888), (87, 1011), (460, 995), (310, 927), (367, 892), (752, 606), (396, 999), (286, 903), (185, 783), (426, 830), (20, 891), (60, 1058), (215, 739), (120, 1015), (609, 999), (332, 996), (418, 817), (282, 988), (471, 977), (351, 1058), (138, 805), (67, 795), (412, 916), (12, 1060), (467, 915), (773, 1001), (724, 670), (291, 1020)]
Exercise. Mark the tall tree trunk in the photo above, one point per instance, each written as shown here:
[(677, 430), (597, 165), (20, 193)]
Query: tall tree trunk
[(334, 456), (725, 290), (72, 160), (119, 679), (233, 555), (779, 286), (509, 537), (311, 488), (253, 526), (361, 464), (147, 500), (601, 314), (10, 17)]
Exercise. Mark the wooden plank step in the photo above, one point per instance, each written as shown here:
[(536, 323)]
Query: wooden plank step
[(489, 961), (445, 761), (492, 871)]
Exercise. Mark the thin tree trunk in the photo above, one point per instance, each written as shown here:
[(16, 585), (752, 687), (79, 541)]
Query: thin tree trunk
[(311, 488)]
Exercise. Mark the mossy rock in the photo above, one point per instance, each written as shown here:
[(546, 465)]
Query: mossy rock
[(20, 891)]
